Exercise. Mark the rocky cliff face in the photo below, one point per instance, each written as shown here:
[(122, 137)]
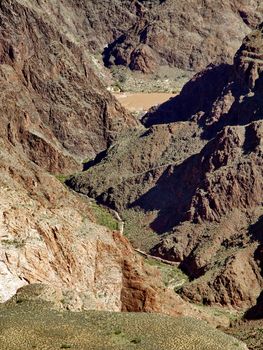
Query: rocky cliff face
[(53, 106), (49, 236), (187, 35), (145, 34), (196, 172), (54, 111)]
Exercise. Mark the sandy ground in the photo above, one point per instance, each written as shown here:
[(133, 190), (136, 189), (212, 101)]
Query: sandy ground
[(136, 102)]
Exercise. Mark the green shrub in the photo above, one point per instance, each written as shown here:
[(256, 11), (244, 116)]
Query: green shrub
[(171, 275), (104, 217), (117, 331), (136, 340), (62, 178)]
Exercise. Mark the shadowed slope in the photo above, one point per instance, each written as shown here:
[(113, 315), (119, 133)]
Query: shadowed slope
[(196, 173)]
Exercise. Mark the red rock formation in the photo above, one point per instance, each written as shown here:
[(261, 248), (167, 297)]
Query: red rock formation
[(48, 236), (54, 111), (53, 105), (196, 172), (187, 35)]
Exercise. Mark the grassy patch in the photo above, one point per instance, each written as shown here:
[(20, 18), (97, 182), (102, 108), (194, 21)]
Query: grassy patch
[(62, 178), (137, 230), (172, 276), (227, 315), (104, 217), (47, 328), (13, 242)]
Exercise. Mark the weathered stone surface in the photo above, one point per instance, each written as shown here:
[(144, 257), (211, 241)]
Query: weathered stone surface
[(196, 172), (187, 35), (48, 236), (53, 106), (54, 111)]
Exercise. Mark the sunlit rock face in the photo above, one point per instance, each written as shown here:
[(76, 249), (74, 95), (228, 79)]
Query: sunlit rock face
[(55, 112), (196, 172)]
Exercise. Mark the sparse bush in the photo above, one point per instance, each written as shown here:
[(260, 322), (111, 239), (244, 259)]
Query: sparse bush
[(122, 78), (136, 340), (62, 178), (117, 331), (13, 242), (171, 275), (104, 217)]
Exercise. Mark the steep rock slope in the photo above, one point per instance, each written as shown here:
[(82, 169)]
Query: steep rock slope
[(49, 96), (48, 235), (146, 34), (196, 172), (187, 35), (54, 111), (53, 106)]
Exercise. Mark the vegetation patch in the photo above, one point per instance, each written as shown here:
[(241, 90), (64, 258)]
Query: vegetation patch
[(104, 217), (117, 331), (62, 178), (172, 276), (167, 79), (13, 243), (137, 230), (46, 328), (136, 340)]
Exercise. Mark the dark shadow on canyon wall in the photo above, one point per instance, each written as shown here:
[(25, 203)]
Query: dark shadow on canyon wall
[(197, 95), (256, 233), (202, 100), (172, 194)]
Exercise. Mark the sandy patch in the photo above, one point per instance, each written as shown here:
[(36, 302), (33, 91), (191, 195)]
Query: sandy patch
[(137, 102)]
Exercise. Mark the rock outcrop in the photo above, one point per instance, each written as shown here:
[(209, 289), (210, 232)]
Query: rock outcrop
[(52, 105), (146, 34), (49, 236), (54, 112), (196, 173), (187, 35)]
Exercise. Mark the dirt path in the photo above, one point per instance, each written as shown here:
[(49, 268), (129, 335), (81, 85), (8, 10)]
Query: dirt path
[(137, 102), (164, 261), (146, 255)]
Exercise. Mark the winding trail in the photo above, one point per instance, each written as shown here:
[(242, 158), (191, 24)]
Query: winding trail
[(120, 221), (141, 252), (149, 256)]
